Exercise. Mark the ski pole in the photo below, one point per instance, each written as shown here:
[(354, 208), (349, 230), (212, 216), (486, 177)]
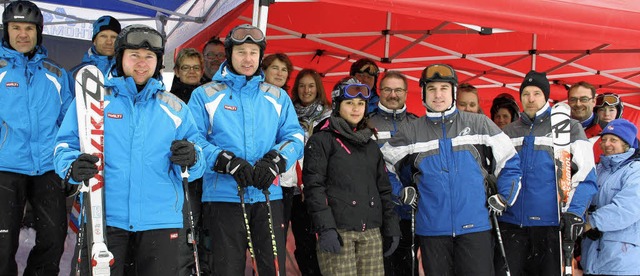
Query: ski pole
[(185, 185), (567, 247), (80, 238), (246, 225), (501, 244), (413, 242), (273, 236)]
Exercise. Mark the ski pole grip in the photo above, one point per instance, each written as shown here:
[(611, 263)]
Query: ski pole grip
[(184, 172)]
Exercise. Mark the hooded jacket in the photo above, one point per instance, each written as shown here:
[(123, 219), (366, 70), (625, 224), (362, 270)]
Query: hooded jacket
[(617, 216), (249, 118), (33, 100), (346, 184), (143, 189)]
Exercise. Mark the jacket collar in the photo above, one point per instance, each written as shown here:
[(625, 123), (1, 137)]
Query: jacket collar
[(542, 115), (396, 114), (126, 86), (234, 81)]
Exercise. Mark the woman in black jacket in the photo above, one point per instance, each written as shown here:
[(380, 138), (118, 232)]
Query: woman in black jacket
[(347, 188)]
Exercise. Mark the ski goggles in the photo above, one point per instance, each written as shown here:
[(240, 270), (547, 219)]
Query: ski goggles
[(139, 38), (370, 69), (438, 71), (356, 90), (607, 99), (243, 32)]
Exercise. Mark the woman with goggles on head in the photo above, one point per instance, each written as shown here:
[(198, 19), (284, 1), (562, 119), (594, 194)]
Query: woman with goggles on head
[(347, 189), (608, 107), (252, 135)]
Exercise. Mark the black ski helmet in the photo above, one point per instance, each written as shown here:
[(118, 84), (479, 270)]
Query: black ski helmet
[(241, 34), (23, 11), (138, 36), (439, 73)]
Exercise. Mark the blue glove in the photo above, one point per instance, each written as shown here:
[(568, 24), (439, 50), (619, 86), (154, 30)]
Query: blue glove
[(330, 241)]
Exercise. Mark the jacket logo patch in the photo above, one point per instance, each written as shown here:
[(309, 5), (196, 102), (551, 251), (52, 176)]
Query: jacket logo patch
[(114, 116), (465, 131), (12, 84), (229, 107), (173, 236)]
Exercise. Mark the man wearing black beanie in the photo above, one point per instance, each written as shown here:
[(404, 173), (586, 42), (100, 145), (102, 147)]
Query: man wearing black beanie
[(530, 226)]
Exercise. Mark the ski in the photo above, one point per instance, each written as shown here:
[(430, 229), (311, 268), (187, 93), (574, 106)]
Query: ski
[(561, 136), (90, 92)]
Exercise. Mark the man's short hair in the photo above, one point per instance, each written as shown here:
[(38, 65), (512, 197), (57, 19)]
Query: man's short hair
[(585, 85)]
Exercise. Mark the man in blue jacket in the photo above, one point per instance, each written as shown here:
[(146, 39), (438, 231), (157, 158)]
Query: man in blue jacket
[(447, 149), (254, 135), (34, 96), (148, 138), (530, 227), (101, 54)]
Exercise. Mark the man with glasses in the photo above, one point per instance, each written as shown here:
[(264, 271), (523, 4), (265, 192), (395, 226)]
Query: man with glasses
[(582, 99), (447, 150), (391, 115), (34, 96), (149, 137), (214, 55), (253, 135), (366, 71)]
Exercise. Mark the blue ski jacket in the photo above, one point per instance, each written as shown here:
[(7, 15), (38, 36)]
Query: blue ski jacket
[(617, 216), (387, 122), (248, 118), (143, 189), (34, 97), (537, 204), (448, 151), (91, 57)]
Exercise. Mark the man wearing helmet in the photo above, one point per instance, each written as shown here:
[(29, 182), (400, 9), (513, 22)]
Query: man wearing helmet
[(148, 140), (34, 96), (366, 71), (253, 135), (448, 149)]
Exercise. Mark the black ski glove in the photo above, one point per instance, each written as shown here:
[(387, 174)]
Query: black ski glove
[(391, 244), (240, 169), (330, 241), (84, 168), (571, 226), (267, 168), (409, 196), (183, 153), (594, 234), (497, 204)]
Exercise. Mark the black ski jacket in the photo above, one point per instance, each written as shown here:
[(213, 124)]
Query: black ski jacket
[(346, 184)]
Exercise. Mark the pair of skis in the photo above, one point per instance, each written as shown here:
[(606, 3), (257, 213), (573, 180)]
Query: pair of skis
[(561, 136), (90, 92)]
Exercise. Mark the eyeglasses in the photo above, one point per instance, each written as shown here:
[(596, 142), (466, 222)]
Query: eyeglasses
[(212, 55), (358, 89), (437, 71), (607, 99), (398, 91), (243, 32), (187, 68), (581, 99), (140, 38), (370, 69)]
